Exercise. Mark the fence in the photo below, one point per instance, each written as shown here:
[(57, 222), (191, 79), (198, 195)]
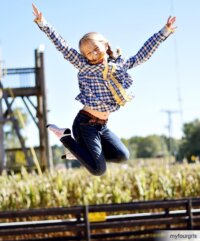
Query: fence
[(137, 221)]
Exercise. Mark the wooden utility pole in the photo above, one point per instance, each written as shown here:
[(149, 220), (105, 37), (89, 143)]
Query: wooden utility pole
[(2, 152), (45, 154)]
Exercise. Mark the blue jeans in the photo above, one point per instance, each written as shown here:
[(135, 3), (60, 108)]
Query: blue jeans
[(94, 144)]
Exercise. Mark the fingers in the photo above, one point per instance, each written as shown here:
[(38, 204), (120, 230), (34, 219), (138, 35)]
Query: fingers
[(36, 12), (171, 20), (34, 8), (168, 18)]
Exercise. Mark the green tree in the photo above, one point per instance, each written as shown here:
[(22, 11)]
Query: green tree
[(190, 145), (11, 140), (172, 145), (132, 145), (150, 146)]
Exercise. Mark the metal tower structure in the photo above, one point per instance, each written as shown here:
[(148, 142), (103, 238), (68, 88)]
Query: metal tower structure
[(8, 96)]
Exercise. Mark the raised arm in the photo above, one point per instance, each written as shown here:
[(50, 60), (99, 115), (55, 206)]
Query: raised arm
[(151, 44), (69, 53)]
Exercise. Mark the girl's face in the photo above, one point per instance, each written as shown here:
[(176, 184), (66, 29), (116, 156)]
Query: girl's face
[(94, 51)]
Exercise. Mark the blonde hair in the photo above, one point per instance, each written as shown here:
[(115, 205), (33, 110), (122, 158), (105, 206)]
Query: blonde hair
[(94, 36)]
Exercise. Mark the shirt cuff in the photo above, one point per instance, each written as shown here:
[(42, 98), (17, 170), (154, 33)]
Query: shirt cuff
[(166, 31)]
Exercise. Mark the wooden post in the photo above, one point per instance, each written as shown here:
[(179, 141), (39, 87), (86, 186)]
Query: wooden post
[(190, 215), (2, 152), (166, 215), (45, 153), (87, 224)]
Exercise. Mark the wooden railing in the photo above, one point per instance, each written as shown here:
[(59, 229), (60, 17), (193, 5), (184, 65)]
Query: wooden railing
[(125, 221)]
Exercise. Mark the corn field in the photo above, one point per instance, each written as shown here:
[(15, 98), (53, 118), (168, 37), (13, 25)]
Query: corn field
[(121, 183)]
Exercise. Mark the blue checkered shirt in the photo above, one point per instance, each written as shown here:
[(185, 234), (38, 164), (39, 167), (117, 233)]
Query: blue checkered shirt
[(94, 91)]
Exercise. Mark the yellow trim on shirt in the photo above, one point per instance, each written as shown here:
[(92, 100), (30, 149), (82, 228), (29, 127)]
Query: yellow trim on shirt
[(116, 96)]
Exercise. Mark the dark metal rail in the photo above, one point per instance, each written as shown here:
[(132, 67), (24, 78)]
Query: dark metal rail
[(125, 221)]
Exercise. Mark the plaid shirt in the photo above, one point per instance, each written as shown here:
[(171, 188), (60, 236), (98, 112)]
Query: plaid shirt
[(94, 91)]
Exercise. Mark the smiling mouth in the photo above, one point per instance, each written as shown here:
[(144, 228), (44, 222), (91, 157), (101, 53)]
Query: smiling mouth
[(96, 61), (99, 60)]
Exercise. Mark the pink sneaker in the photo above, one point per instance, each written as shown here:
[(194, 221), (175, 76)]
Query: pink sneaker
[(59, 132)]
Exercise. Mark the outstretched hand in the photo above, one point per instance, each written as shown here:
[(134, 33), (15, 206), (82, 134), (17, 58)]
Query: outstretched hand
[(170, 23), (37, 13)]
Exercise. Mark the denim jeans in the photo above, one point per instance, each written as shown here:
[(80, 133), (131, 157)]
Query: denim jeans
[(94, 144)]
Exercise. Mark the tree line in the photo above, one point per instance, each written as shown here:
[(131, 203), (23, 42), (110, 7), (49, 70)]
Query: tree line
[(150, 146), (153, 146), (156, 146)]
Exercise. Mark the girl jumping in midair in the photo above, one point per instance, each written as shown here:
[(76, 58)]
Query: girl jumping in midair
[(103, 79)]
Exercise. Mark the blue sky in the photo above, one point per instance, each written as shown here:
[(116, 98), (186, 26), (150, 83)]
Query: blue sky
[(127, 24)]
